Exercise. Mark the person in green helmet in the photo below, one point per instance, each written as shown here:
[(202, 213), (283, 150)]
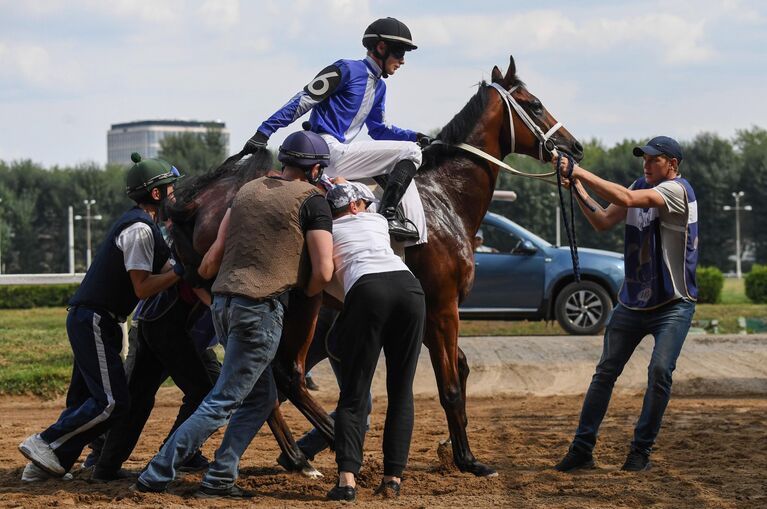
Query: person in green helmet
[(132, 263)]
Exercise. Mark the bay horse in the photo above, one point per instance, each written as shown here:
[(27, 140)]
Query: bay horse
[(456, 187)]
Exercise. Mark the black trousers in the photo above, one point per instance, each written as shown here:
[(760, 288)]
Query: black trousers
[(381, 311), (164, 349)]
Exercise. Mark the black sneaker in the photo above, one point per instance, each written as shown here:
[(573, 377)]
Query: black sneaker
[(311, 384), (389, 489), (140, 487), (575, 460), (196, 463), (108, 475), (636, 461), (232, 491), (344, 493)]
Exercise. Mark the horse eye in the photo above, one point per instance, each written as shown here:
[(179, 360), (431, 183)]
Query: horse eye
[(537, 106)]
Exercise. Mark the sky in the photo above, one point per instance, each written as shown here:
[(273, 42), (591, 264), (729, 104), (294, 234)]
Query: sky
[(607, 70)]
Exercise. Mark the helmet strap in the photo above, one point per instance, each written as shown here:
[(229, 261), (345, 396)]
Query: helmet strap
[(314, 180), (382, 57)]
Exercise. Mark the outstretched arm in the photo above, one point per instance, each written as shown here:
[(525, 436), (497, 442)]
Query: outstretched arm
[(211, 262), (325, 84), (600, 218), (319, 243)]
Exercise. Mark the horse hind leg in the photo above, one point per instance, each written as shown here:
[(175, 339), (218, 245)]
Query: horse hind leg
[(442, 340)]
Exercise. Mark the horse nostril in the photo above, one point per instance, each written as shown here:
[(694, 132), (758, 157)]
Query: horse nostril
[(578, 147)]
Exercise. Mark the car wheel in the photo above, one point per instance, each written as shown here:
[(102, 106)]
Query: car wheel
[(582, 308)]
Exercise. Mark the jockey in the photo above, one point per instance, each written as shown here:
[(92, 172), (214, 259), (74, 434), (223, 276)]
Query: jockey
[(344, 96)]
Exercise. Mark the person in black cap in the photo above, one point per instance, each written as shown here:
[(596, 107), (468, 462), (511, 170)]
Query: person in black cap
[(658, 294), (131, 264), (350, 94)]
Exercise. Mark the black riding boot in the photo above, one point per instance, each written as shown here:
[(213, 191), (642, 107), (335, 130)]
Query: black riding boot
[(398, 181)]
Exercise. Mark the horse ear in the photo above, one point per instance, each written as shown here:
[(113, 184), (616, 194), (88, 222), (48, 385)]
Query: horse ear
[(511, 72), (496, 74)]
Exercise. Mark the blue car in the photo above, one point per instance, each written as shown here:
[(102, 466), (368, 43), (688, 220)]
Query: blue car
[(520, 276)]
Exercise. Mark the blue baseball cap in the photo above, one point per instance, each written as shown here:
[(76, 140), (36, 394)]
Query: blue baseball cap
[(660, 145)]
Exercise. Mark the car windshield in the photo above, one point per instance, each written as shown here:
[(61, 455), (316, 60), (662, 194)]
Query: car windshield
[(525, 232)]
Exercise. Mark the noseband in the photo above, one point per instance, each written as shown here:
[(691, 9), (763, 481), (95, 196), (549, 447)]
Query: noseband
[(544, 139)]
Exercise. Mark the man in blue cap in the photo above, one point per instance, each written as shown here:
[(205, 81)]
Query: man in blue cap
[(658, 295)]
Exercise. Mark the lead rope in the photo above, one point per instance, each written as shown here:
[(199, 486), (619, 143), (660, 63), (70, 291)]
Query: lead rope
[(569, 222)]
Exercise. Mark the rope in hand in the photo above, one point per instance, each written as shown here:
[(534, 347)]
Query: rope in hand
[(569, 222)]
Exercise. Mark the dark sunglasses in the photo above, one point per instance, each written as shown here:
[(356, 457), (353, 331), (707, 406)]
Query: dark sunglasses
[(397, 52)]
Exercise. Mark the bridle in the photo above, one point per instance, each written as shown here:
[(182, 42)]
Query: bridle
[(544, 139), (544, 143)]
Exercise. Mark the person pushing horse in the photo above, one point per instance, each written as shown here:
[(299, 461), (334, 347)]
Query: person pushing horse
[(347, 95), (275, 237), (131, 264)]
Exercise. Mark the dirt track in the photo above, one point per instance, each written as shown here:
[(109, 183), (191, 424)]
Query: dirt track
[(524, 398), (712, 453)]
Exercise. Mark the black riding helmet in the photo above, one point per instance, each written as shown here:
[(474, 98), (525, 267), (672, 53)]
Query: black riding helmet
[(393, 32), (304, 149)]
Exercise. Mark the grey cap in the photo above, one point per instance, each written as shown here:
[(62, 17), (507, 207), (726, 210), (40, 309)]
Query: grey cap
[(344, 194)]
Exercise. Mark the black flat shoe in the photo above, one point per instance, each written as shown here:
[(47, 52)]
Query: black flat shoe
[(343, 493), (388, 489), (575, 460), (106, 475), (636, 461), (233, 491)]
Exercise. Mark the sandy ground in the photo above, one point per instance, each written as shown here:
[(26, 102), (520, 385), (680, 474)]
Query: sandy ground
[(712, 451)]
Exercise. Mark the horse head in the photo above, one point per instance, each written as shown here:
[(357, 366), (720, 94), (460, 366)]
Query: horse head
[(533, 130)]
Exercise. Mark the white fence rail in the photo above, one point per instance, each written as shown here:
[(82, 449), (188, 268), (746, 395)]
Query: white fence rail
[(40, 279)]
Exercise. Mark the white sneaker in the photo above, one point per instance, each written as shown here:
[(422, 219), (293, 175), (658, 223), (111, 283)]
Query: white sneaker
[(33, 473), (37, 450)]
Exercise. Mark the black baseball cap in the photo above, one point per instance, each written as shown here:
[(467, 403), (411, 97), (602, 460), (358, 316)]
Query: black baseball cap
[(660, 145)]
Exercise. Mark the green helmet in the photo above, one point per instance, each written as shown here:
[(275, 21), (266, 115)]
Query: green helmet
[(146, 175)]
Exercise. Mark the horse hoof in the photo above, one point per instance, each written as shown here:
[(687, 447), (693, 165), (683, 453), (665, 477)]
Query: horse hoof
[(481, 470), (311, 472)]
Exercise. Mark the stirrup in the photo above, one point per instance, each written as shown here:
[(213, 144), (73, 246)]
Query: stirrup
[(403, 229)]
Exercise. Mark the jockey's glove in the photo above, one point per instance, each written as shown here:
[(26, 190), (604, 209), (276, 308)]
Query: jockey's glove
[(423, 140), (256, 142)]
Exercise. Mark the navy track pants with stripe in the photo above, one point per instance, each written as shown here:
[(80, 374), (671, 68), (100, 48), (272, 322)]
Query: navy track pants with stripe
[(98, 392)]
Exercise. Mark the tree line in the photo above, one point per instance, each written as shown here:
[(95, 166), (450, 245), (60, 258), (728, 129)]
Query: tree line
[(33, 211)]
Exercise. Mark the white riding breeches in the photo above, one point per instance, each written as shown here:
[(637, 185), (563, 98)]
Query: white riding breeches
[(366, 159)]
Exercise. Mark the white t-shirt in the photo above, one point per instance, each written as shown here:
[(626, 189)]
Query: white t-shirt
[(137, 244), (361, 245)]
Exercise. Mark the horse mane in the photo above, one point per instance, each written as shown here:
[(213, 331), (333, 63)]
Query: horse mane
[(244, 168), (464, 121)]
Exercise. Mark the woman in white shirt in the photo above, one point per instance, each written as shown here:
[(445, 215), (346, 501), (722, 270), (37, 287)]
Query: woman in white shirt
[(383, 309)]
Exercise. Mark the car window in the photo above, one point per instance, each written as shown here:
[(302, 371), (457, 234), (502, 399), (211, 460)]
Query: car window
[(491, 239)]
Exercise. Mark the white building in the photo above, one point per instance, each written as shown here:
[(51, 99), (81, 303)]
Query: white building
[(144, 137)]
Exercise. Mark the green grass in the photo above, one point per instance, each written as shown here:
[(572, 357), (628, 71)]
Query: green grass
[(35, 356), (734, 291)]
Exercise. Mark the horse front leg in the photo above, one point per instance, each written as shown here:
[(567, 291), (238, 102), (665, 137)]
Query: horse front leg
[(298, 330), (292, 458), (451, 370)]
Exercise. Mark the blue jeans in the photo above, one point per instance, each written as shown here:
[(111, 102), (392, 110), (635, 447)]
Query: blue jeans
[(669, 325), (243, 396)]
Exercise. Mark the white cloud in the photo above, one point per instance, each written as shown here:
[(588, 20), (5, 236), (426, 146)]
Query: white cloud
[(33, 65), (220, 14), (674, 38)]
